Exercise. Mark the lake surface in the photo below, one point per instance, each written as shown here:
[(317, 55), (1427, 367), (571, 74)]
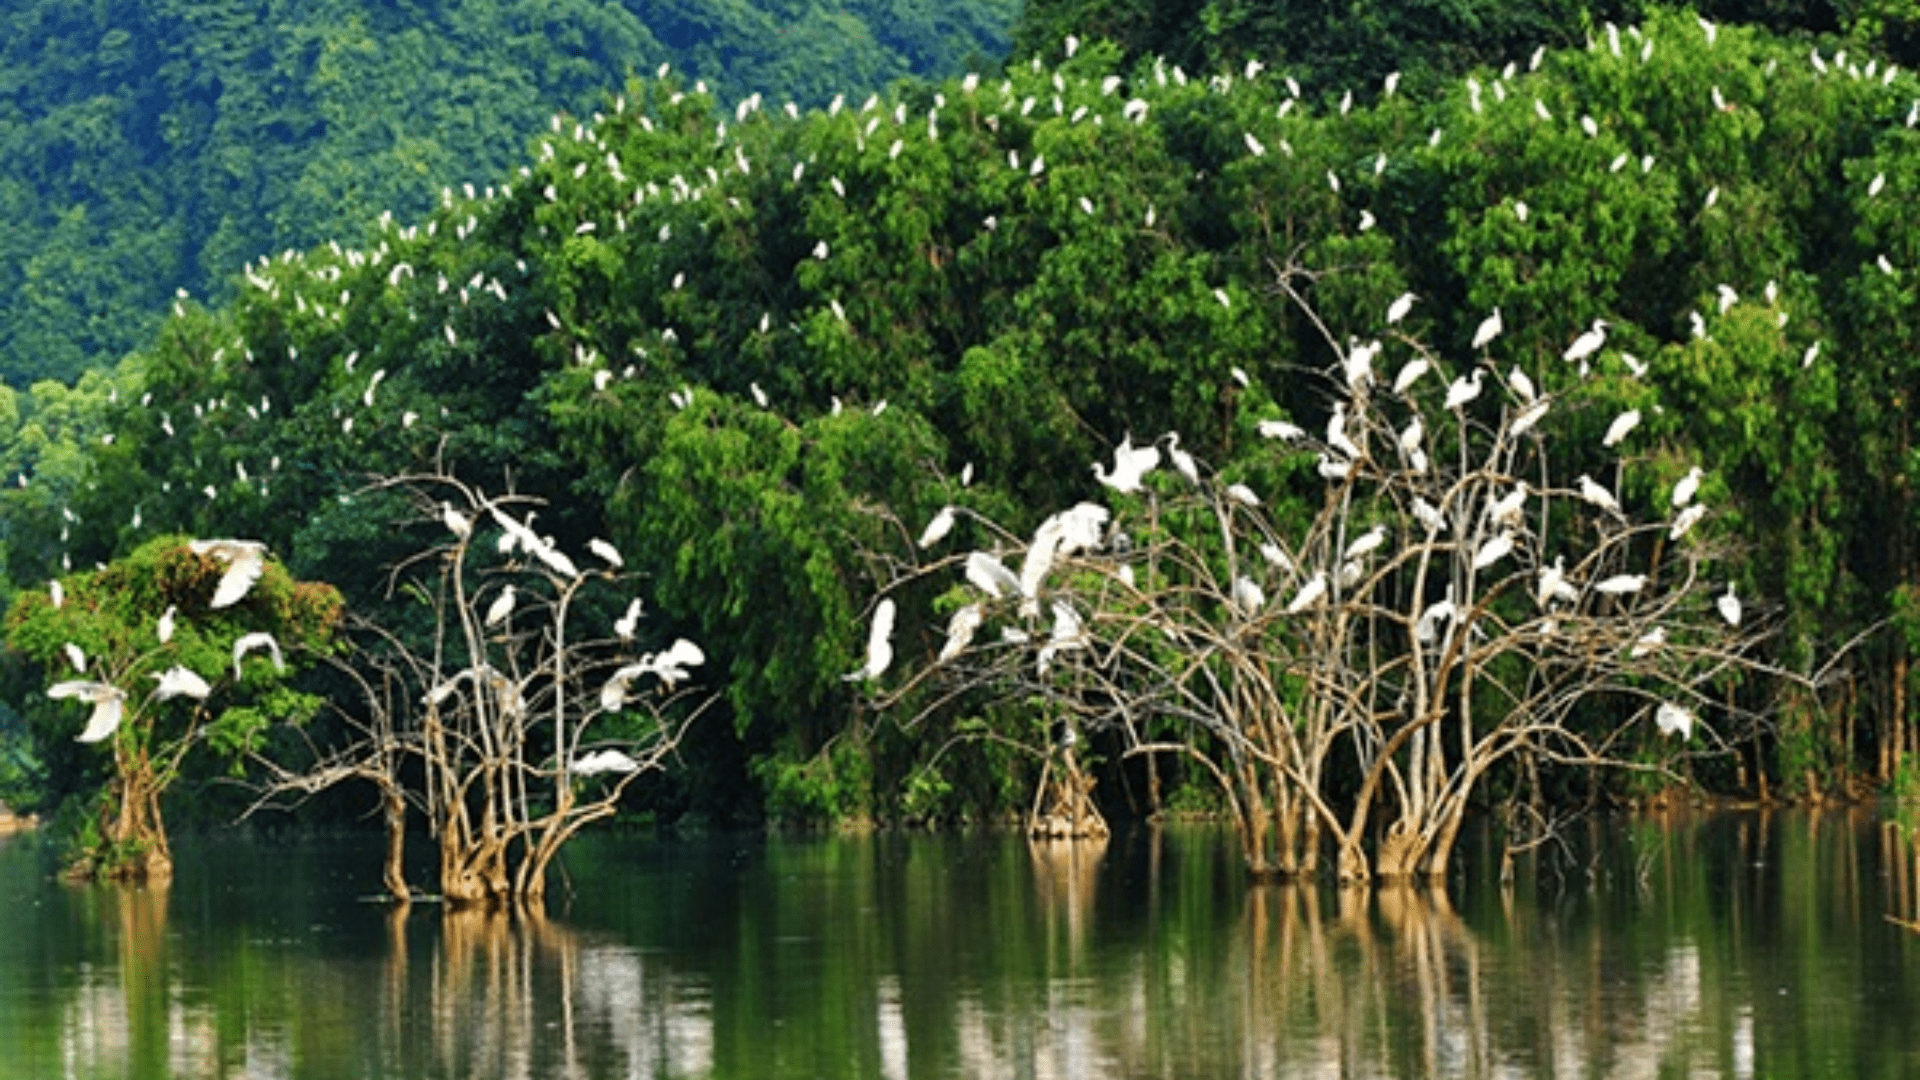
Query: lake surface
[(1725, 946)]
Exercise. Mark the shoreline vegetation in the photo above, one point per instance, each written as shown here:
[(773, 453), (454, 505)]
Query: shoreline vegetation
[(798, 367)]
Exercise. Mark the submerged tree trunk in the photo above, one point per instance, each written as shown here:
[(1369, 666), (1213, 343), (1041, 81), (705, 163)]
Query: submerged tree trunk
[(1063, 807), (132, 845)]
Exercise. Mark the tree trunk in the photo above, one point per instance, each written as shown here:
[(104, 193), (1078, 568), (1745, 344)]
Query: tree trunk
[(394, 807)]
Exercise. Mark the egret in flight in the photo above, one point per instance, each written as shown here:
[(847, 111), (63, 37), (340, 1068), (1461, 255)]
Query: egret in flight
[(259, 639), (109, 705), (180, 682), (245, 560), (1130, 463)]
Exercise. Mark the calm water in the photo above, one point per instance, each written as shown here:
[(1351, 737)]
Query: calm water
[(1731, 946)]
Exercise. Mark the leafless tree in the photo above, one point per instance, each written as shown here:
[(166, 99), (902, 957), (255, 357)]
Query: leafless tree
[(1349, 628), (507, 723)]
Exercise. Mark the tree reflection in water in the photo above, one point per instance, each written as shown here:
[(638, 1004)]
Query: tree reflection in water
[(1731, 947)]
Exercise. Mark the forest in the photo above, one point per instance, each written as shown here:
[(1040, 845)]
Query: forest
[(758, 348)]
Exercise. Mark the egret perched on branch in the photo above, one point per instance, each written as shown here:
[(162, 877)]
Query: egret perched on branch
[(606, 552), (1683, 491), (1621, 427), (960, 630), (1490, 328), (1729, 606), (603, 761), (1182, 461), (1068, 633), (109, 705), (625, 625), (1309, 594), (165, 629), (1130, 463), (501, 607), (1684, 522), (1597, 495), (1464, 389), (259, 639), (1588, 343), (1278, 429), (1673, 720), (937, 529), (1401, 305), (1410, 373), (76, 657), (1493, 550), (991, 576), (1366, 543), (1248, 597), (1337, 432), (457, 523), (879, 644), (1554, 585), (245, 560), (1621, 584)]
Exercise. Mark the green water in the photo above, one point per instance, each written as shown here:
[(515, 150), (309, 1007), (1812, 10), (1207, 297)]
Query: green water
[(1725, 946)]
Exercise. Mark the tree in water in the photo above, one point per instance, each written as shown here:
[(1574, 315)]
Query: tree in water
[(182, 643), (1364, 621), (515, 714)]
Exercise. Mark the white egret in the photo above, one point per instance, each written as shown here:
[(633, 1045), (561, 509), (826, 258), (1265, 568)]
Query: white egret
[(1671, 719), (1337, 432), (1490, 328), (1529, 416), (1279, 429), (1410, 444), (76, 657), (1464, 389), (1684, 522), (1309, 594), (1242, 494), (1588, 343), (1367, 542), (501, 607), (1621, 584), (1401, 306), (879, 644), (1554, 584), (1493, 550), (1359, 365), (1271, 552), (1248, 597), (936, 529), (259, 639), (1182, 461), (1506, 511), (991, 576), (57, 593), (606, 552), (603, 761), (1068, 633), (1521, 385), (459, 524), (1597, 495), (1130, 463), (1621, 427), (1410, 374), (625, 626), (1729, 606), (109, 705), (1647, 642), (245, 560), (960, 630), (180, 682), (1429, 515), (1684, 491), (165, 629)]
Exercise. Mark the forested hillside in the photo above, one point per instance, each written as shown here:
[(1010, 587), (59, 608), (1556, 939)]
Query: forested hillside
[(759, 350), (149, 147)]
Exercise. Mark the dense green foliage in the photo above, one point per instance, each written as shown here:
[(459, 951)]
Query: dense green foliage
[(1023, 272), (148, 147)]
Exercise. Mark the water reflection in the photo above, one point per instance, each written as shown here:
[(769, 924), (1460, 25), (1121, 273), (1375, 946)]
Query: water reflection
[(1736, 946)]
